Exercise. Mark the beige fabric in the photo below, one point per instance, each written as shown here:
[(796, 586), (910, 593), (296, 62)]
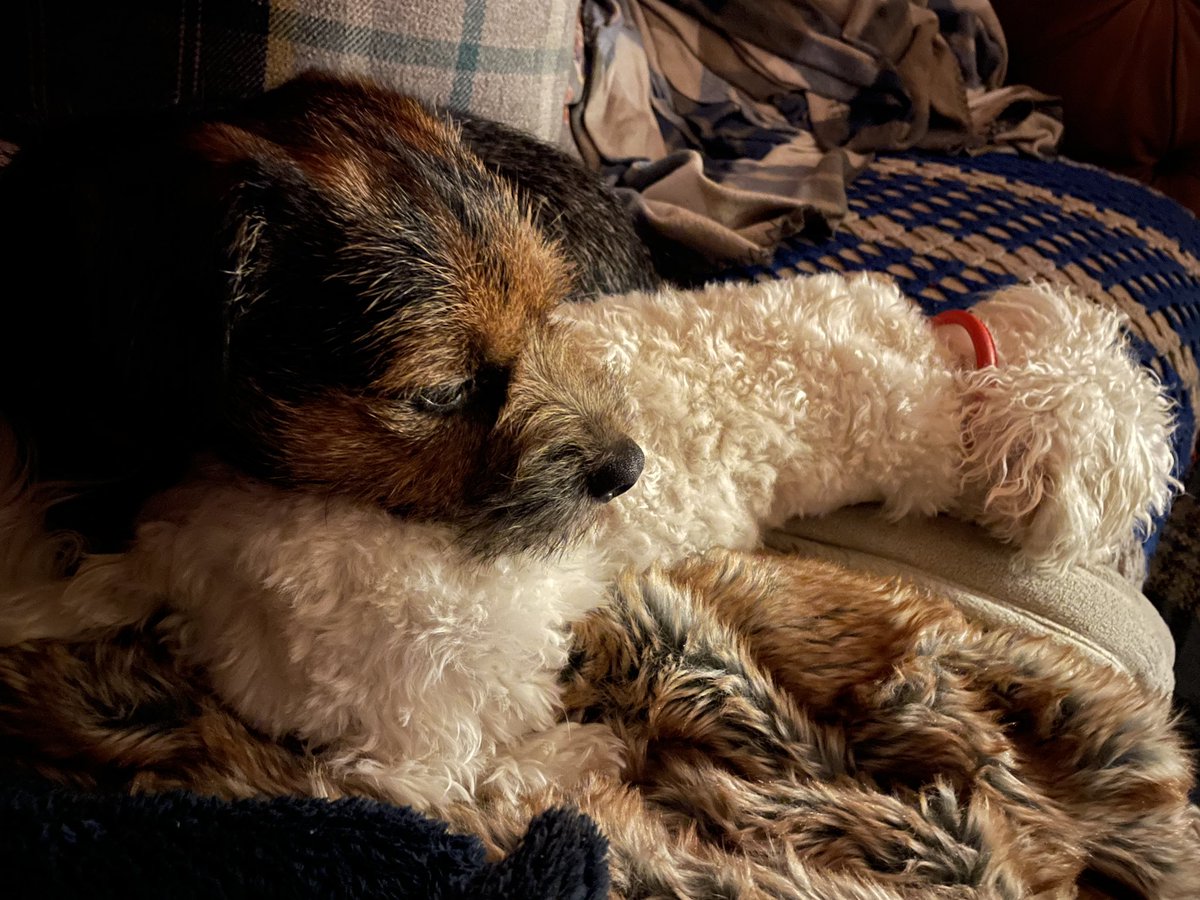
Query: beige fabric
[(1094, 610), (739, 123)]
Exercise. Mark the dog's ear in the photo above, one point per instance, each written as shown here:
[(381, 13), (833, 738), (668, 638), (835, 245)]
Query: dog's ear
[(256, 184), (270, 225)]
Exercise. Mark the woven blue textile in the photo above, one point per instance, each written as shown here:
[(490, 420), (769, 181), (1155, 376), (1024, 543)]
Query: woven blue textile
[(952, 229)]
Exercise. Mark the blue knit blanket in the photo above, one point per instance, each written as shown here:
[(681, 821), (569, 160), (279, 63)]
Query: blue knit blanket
[(62, 843)]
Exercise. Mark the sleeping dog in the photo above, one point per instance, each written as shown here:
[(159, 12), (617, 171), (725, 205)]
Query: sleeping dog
[(334, 287)]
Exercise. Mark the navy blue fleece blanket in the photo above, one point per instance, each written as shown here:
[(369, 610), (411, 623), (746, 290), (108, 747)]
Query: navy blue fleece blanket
[(63, 843)]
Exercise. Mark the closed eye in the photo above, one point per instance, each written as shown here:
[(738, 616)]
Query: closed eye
[(443, 399), (485, 394)]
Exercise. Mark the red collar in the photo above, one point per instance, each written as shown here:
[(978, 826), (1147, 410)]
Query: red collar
[(981, 338)]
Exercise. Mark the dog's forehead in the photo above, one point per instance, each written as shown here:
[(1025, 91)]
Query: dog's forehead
[(359, 146), (501, 321), (440, 254), (429, 211), (450, 339), (482, 281), (387, 153)]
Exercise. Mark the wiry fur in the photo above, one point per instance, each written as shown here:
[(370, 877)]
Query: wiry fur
[(325, 286)]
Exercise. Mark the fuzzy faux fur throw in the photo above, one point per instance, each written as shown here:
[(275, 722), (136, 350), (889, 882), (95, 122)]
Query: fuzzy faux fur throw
[(792, 731), (796, 731)]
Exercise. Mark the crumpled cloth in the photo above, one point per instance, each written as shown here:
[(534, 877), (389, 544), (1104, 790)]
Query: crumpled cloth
[(732, 124)]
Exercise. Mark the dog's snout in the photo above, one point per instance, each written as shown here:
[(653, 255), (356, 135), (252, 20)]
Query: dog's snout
[(617, 472)]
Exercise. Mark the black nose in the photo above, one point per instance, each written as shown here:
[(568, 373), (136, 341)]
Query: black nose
[(617, 472)]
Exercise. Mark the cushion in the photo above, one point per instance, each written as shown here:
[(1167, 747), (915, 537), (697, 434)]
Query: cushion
[(1090, 608), (509, 61)]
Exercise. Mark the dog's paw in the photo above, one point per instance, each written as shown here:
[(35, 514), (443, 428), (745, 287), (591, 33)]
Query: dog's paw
[(557, 757)]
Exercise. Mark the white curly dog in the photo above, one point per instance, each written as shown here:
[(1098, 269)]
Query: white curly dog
[(434, 674)]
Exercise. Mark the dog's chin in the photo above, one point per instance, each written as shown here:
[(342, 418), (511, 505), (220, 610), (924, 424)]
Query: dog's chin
[(540, 516), (537, 526)]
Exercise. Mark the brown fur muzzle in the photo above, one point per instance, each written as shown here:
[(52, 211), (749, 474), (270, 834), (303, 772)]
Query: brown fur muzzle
[(523, 464), (559, 449)]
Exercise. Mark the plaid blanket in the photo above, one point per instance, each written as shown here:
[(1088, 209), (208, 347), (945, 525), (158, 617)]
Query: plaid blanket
[(740, 122)]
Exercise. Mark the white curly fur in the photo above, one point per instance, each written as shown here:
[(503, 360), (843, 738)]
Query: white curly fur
[(756, 403), (1067, 441), (433, 674)]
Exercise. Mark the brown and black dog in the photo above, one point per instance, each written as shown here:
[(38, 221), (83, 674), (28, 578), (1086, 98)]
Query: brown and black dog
[(333, 286)]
